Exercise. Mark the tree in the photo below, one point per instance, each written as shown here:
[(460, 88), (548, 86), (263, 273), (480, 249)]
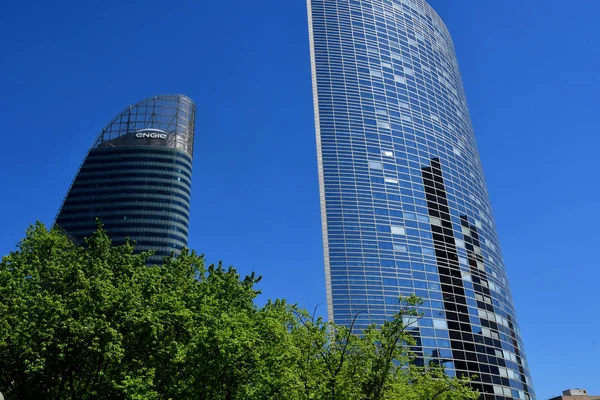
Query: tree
[(375, 364), (94, 322)]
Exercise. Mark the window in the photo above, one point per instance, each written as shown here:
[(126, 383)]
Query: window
[(375, 165), (435, 221), (400, 247), (398, 230), (440, 324), (410, 320)]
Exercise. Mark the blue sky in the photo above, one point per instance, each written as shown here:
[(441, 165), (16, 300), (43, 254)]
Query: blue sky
[(530, 70)]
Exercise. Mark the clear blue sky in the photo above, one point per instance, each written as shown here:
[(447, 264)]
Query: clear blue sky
[(531, 74)]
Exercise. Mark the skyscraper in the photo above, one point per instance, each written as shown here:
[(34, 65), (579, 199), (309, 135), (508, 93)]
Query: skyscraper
[(136, 178), (404, 203)]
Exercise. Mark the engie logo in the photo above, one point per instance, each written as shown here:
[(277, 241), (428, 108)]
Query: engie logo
[(151, 133)]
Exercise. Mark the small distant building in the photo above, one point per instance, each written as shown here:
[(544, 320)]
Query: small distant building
[(136, 179), (576, 394)]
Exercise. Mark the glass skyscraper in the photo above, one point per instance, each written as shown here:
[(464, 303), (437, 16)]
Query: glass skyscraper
[(404, 203), (136, 178)]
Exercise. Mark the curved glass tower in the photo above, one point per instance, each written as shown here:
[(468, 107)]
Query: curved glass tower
[(136, 178), (404, 203)]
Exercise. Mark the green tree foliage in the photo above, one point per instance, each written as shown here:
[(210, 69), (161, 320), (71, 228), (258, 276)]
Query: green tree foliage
[(94, 322)]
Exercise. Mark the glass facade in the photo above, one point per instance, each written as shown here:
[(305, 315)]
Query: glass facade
[(137, 178), (404, 203)]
